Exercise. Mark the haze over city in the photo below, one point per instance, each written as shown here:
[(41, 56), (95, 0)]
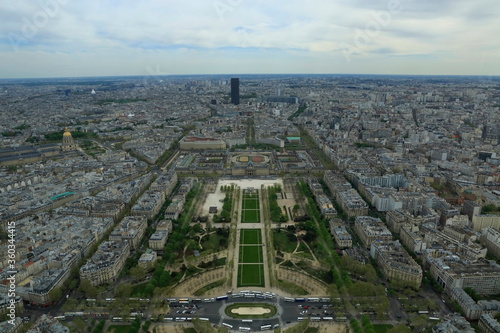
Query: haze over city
[(63, 38)]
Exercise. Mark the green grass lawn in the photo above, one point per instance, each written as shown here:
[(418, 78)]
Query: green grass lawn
[(250, 216), (250, 236), (251, 254), (251, 275), (250, 204)]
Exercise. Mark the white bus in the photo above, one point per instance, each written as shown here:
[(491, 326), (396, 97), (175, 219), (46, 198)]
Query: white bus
[(313, 299), (203, 319), (247, 320), (265, 327), (244, 329), (325, 299), (327, 318), (289, 299), (227, 325), (300, 318), (315, 318)]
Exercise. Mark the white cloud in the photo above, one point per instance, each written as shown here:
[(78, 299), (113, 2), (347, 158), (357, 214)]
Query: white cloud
[(123, 37)]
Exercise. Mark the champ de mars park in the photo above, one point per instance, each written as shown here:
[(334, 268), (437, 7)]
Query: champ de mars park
[(266, 236)]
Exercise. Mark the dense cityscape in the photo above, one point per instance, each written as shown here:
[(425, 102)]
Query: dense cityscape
[(293, 203)]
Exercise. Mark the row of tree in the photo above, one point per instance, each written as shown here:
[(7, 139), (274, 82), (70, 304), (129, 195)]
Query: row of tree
[(225, 215), (275, 210)]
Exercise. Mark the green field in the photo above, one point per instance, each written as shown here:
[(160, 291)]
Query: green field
[(250, 216), (250, 204), (251, 254), (251, 275), (250, 236)]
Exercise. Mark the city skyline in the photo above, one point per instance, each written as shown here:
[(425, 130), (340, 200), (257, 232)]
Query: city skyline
[(62, 38)]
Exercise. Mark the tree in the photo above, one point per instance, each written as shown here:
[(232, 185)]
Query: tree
[(399, 329), (79, 325), (55, 294), (148, 291), (164, 279), (123, 290), (88, 289), (137, 273)]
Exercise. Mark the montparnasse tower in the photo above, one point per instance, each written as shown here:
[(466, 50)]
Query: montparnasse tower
[(68, 143)]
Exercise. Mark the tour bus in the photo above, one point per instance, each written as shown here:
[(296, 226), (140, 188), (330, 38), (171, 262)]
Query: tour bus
[(325, 299), (171, 300), (433, 318), (265, 327), (327, 318), (168, 319), (313, 299), (289, 299), (203, 319), (60, 317), (315, 318), (245, 292), (300, 299), (300, 318), (180, 319), (197, 300), (117, 319), (184, 300), (220, 298), (423, 312), (249, 295), (244, 329), (247, 320), (227, 325)]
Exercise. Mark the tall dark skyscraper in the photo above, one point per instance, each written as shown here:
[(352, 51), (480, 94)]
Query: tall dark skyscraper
[(235, 90)]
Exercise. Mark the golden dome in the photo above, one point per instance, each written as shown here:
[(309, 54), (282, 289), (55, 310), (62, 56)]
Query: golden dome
[(66, 132)]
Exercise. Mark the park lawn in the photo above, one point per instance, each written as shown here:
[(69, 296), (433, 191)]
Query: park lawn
[(251, 254), (250, 204), (250, 216), (250, 275), (250, 236)]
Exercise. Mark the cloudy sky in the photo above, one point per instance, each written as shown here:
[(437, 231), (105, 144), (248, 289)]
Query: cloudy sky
[(67, 38)]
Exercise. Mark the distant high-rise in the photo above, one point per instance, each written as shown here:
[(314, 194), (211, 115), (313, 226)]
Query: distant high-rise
[(235, 91)]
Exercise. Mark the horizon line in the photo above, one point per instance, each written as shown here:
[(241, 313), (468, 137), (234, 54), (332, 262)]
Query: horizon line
[(248, 74)]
